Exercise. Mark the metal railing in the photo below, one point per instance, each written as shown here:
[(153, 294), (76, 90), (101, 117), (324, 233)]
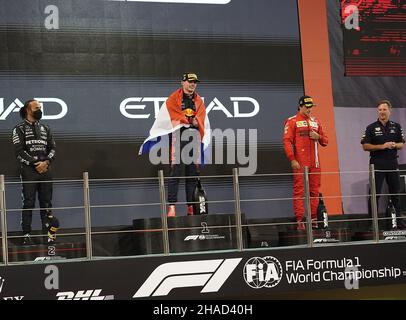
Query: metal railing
[(88, 219), (238, 226), (3, 220)]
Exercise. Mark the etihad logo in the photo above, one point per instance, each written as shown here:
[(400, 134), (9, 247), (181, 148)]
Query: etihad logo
[(181, 1), (145, 107), (52, 108), (211, 274)]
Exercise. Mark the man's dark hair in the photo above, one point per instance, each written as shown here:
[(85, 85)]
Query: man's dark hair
[(386, 102), (23, 109)]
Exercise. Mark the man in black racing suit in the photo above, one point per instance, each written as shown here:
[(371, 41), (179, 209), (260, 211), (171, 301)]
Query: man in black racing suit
[(35, 150)]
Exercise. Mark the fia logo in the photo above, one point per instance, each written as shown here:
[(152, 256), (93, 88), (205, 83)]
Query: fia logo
[(263, 272)]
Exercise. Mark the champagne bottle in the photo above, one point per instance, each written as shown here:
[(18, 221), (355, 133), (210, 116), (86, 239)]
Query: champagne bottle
[(392, 212), (200, 199)]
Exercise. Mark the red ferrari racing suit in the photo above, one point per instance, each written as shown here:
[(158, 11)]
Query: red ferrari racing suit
[(298, 146)]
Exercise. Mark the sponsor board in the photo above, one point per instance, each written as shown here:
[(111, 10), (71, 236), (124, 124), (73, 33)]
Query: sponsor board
[(2, 282), (211, 274), (215, 275), (52, 108), (148, 107), (92, 294)]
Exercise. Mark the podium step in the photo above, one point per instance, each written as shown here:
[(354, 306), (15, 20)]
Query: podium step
[(41, 252), (383, 235), (186, 234), (294, 237)]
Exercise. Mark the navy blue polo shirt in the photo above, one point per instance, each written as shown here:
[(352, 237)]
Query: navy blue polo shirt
[(377, 133)]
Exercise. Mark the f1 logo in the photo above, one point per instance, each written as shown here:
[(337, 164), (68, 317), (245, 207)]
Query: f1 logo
[(208, 273)]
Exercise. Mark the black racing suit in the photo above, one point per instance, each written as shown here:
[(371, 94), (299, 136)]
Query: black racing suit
[(33, 142), (177, 161), (377, 133)]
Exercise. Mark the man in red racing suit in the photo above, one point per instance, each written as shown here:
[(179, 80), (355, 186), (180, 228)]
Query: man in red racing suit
[(302, 134)]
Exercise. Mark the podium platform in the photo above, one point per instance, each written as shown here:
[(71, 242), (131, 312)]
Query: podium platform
[(333, 235), (187, 233), (388, 234), (41, 252), (277, 232)]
